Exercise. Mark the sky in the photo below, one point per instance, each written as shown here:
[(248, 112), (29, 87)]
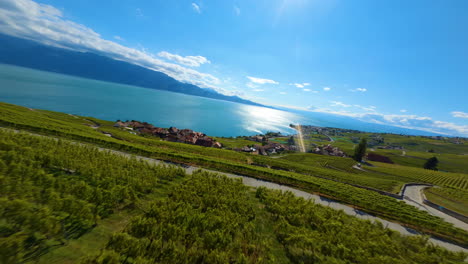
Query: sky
[(401, 63)]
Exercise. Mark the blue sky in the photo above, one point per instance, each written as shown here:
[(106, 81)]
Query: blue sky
[(402, 63)]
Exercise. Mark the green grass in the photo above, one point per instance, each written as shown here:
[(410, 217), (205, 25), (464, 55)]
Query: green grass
[(410, 174), (447, 162), (452, 199), (309, 172)]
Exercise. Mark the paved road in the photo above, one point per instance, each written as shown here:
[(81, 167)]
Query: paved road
[(414, 196), (252, 182)]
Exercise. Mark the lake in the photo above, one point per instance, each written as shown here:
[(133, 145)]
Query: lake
[(111, 101)]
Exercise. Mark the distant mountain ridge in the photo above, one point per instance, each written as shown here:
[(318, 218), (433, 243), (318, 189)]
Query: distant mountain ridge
[(31, 54)]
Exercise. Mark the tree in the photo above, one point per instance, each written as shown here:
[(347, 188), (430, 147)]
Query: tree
[(431, 164), (360, 150)]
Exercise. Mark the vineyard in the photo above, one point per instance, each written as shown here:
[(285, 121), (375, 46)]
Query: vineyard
[(53, 191), (213, 219), (454, 199), (304, 171), (444, 179)]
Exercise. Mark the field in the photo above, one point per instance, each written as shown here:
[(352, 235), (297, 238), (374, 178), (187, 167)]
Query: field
[(450, 198), (415, 152), (329, 176), (64, 202)]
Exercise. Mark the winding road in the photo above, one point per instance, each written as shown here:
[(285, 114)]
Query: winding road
[(252, 182), (413, 195)]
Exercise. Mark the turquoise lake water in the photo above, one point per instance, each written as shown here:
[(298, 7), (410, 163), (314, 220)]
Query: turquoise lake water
[(111, 101)]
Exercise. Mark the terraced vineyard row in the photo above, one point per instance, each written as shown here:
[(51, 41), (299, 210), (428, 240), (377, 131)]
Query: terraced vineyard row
[(233, 162), (53, 191), (219, 221), (453, 180)]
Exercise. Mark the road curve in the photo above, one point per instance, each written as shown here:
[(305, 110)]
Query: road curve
[(413, 195), (252, 182)]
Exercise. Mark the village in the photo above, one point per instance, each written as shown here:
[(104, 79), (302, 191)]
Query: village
[(260, 143), (172, 134)]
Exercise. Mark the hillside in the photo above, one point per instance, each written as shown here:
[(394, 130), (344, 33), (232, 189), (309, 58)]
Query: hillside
[(136, 211), (30, 54)]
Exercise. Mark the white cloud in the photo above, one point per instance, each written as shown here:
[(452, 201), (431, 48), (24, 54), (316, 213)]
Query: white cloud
[(283, 92), (462, 129), (138, 11), (258, 90), (306, 90), (261, 81), (196, 8), (119, 38), (46, 24), (326, 89), (459, 114), (370, 108), (341, 104), (403, 110), (237, 10), (359, 90), (192, 61), (300, 85), (422, 123), (252, 85)]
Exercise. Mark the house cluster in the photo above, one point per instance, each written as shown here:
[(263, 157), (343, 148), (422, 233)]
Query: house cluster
[(329, 150), (173, 134), (268, 149), (331, 131)]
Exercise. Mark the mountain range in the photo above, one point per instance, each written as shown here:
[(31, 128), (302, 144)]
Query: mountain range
[(31, 54)]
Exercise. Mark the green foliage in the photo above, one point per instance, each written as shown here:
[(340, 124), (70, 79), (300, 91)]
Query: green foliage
[(52, 191), (451, 198), (312, 233), (307, 177), (411, 174), (360, 150), (212, 219), (207, 219), (431, 164)]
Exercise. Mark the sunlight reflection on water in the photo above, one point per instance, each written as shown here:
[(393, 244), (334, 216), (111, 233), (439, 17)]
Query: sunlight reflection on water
[(261, 120)]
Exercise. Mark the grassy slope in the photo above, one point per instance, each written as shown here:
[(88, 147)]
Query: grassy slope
[(452, 157), (92, 242), (78, 128), (452, 199)]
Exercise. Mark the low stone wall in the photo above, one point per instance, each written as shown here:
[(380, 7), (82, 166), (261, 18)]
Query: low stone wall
[(447, 211), (412, 184)]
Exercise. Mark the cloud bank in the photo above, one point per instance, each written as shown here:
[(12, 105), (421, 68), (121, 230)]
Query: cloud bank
[(191, 61), (46, 24), (261, 80), (371, 115), (459, 114), (300, 85)]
